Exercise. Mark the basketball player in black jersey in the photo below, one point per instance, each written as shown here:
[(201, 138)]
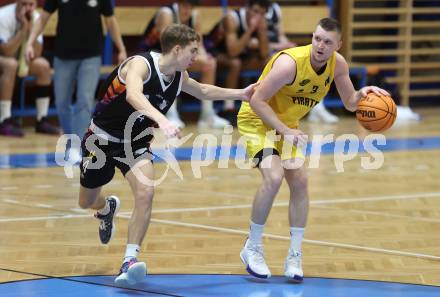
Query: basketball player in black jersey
[(184, 12), (136, 95)]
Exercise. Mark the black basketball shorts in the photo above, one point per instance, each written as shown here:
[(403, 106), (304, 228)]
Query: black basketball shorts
[(99, 160)]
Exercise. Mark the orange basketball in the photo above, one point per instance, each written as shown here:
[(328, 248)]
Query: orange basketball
[(376, 113)]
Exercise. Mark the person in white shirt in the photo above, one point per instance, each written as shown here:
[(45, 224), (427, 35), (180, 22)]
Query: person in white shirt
[(16, 21)]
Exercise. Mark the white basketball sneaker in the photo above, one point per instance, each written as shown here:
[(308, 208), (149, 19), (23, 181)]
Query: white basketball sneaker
[(293, 266), (253, 257), (131, 273), (212, 122), (174, 118), (320, 114)]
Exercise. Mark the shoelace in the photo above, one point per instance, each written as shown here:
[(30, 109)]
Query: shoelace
[(294, 258), (257, 252), (102, 225), (127, 265)]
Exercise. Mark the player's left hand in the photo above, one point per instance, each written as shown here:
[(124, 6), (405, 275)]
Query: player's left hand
[(249, 91), (376, 90)]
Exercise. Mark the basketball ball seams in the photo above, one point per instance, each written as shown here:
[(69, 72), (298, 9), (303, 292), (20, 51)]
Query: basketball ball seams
[(373, 116), (374, 107), (386, 103), (387, 123), (372, 120)]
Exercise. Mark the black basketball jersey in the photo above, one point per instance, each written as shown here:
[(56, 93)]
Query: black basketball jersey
[(273, 17), (112, 110), (216, 42), (151, 37)]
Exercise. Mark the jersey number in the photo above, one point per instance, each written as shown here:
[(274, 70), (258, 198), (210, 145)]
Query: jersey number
[(314, 89)]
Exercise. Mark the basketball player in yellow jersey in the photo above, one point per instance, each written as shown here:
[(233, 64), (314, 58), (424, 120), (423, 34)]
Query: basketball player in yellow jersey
[(292, 83)]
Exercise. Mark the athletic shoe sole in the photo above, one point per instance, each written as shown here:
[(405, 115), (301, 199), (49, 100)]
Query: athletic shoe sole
[(249, 270), (135, 274), (118, 205)]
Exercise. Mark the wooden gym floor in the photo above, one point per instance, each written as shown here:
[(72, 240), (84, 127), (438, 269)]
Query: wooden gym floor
[(381, 224)]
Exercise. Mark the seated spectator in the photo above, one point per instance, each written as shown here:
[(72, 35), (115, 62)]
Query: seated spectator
[(240, 42), (278, 41), (16, 21), (183, 12)]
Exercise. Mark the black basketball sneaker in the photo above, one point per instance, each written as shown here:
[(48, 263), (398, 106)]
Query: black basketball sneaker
[(107, 226)]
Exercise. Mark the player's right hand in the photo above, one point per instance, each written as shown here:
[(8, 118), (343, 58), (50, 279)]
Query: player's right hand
[(29, 53), (254, 22), (296, 137), (169, 129)]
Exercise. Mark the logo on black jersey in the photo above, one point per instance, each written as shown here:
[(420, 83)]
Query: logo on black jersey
[(304, 82), (92, 3), (163, 104), (327, 81), (140, 118)]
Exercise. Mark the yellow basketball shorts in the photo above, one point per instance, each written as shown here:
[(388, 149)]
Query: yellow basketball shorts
[(259, 138)]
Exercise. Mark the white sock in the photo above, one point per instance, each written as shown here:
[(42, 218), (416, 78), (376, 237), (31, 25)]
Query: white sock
[(132, 251), (5, 109), (255, 233), (42, 107), (207, 109), (229, 104), (296, 238), (106, 209)]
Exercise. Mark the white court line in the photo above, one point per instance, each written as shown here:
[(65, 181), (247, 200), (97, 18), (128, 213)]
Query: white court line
[(313, 202), (12, 201), (8, 188), (379, 198), (383, 214), (278, 204), (44, 205), (314, 242), (43, 186), (66, 216), (242, 232)]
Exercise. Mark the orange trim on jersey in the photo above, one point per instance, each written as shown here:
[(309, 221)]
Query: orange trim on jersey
[(114, 89), (118, 87)]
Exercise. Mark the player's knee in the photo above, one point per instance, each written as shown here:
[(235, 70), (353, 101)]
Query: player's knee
[(10, 65), (42, 67), (300, 183), (208, 65), (144, 196), (274, 179)]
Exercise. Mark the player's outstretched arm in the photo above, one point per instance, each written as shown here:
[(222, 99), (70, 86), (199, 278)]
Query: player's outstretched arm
[(136, 72), (350, 97), (283, 72), (210, 92)]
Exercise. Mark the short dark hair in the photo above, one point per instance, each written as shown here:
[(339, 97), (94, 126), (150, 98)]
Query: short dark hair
[(263, 3), (177, 34), (329, 24)]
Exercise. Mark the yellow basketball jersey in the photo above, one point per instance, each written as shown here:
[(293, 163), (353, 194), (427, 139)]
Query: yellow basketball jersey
[(292, 102)]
